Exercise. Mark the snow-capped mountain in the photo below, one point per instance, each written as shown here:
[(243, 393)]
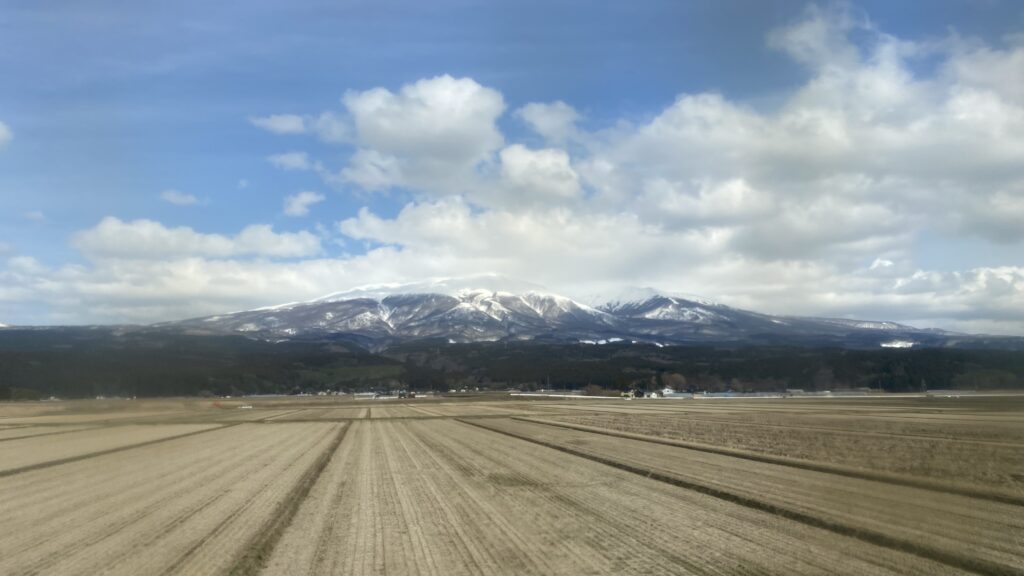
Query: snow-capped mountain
[(492, 308), (441, 308)]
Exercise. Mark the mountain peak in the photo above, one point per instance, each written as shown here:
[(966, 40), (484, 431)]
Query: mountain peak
[(449, 286), (637, 295), (489, 307)]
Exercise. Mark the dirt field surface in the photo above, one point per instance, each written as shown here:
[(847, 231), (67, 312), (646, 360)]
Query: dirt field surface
[(980, 442), (10, 433), (34, 451), (494, 484), (191, 505)]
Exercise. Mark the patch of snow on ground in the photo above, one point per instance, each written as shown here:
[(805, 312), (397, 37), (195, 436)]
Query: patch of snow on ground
[(898, 344)]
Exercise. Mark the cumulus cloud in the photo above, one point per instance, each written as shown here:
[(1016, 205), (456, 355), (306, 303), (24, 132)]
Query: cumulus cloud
[(298, 204), (5, 134), (544, 175), (291, 161), (431, 134), (372, 170), (820, 40), (816, 205), (330, 127), (998, 70), (555, 122), (147, 239), (280, 123), (327, 126), (178, 198)]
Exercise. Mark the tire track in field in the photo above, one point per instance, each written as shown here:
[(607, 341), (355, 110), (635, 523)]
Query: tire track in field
[(475, 557), (486, 505), (627, 524), (923, 550), (281, 415), (424, 410), (102, 518), (667, 559), (484, 555), (220, 538), (76, 458), (259, 549), (47, 433), (910, 481)]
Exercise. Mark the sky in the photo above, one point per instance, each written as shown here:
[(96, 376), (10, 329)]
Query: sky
[(161, 161)]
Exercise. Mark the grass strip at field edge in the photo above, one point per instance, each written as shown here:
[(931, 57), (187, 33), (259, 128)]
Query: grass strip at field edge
[(260, 548), (912, 482), (70, 459), (932, 553)]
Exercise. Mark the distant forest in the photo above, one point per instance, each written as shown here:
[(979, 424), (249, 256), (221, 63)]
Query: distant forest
[(88, 362)]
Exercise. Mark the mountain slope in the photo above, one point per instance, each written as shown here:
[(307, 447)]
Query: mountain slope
[(479, 309)]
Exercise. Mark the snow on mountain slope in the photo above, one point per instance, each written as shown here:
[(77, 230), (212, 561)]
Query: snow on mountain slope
[(447, 286), (635, 296), (492, 307), (865, 324)]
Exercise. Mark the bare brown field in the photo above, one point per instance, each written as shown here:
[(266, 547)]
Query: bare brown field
[(966, 447), (189, 506), (34, 451), (973, 529), (91, 417), (12, 432), (439, 497), (495, 485)]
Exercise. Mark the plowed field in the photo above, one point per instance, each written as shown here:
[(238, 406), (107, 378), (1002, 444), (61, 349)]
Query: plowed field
[(465, 487)]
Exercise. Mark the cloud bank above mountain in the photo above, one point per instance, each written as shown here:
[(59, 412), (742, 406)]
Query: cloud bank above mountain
[(837, 198)]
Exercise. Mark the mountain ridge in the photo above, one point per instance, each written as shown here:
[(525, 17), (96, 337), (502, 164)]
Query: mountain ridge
[(480, 309)]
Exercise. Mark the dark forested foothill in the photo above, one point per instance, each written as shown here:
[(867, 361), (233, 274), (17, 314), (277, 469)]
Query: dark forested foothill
[(77, 363), (86, 362)]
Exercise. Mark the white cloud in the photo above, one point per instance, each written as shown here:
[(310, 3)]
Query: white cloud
[(5, 134), (291, 161), (178, 198), (280, 123), (327, 126), (242, 184), (705, 201), (431, 135), (373, 171), (558, 246), (298, 204), (545, 175), (982, 66), (555, 122), (330, 127), (150, 240), (998, 216), (818, 205), (820, 39), (35, 216)]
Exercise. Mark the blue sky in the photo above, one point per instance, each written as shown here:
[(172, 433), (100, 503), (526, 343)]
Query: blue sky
[(111, 106)]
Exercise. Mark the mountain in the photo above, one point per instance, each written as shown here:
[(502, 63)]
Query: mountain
[(438, 309), (495, 308)]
